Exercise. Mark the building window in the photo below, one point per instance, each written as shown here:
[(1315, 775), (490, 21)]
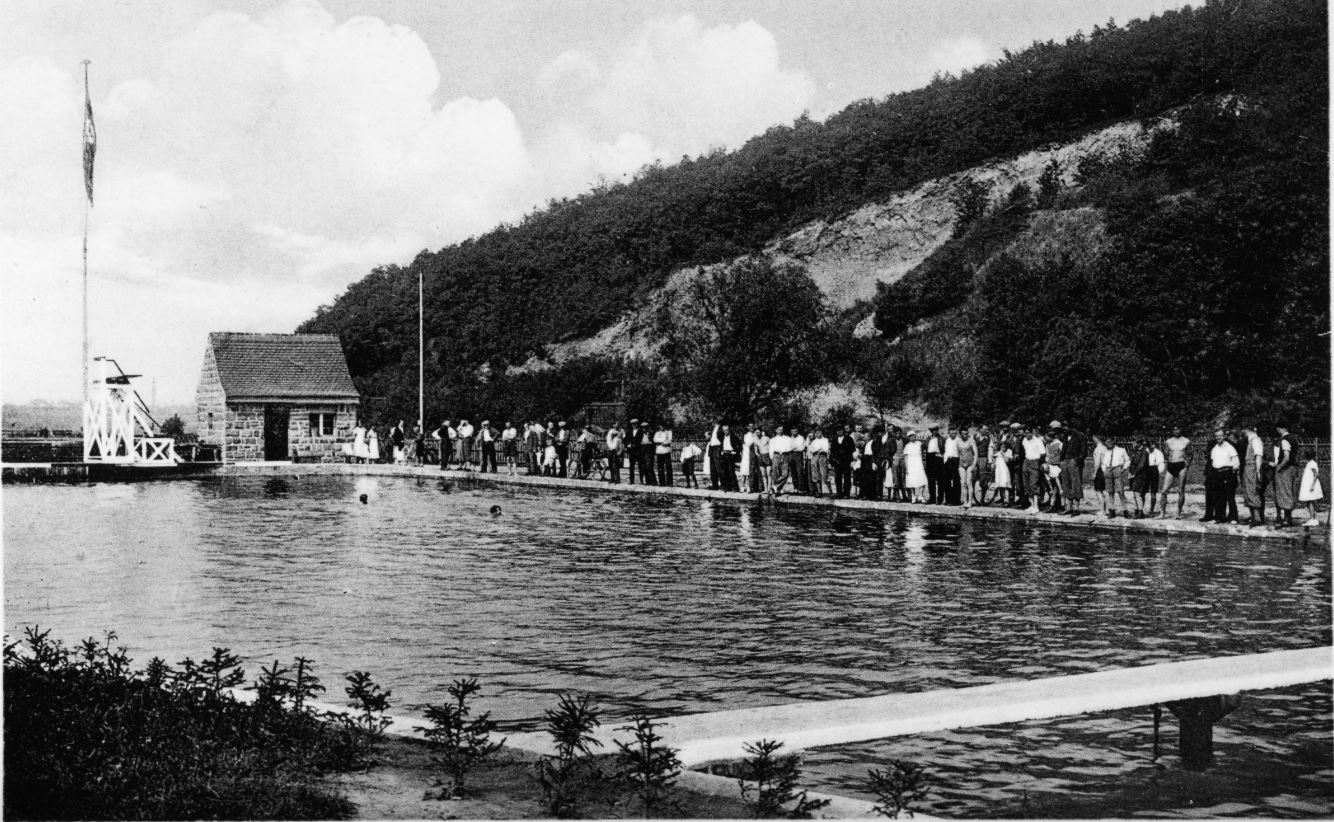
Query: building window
[(322, 424)]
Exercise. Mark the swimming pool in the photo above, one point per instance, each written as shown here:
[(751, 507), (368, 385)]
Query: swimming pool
[(675, 605)]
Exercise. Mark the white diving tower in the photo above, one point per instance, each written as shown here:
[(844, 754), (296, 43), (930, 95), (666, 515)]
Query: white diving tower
[(117, 428)]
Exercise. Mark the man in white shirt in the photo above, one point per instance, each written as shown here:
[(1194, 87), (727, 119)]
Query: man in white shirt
[(1035, 451), (1220, 479), (488, 437), (662, 449), (934, 463), (818, 448), (728, 453), (779, 446), (797, 454)]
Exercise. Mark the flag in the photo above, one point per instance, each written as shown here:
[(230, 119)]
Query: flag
[(89, 137)]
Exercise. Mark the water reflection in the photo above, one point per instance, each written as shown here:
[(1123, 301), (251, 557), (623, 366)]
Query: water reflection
[(672, 605)]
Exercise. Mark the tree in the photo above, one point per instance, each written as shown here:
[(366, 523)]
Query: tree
[(173, 426), (751, 335)]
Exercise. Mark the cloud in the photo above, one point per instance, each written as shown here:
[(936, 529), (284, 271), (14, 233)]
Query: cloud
[(252, 172), (955, 54), (249, 167), (674, 88)]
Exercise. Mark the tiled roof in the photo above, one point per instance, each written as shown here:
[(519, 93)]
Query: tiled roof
[(281, 366)]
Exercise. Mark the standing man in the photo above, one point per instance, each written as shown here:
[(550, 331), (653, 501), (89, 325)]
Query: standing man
[(729, 449), (632, 451), (935, 466), (1035, 450), (1073, 454), (646, 456), (715, 448), (950, 468), (1220, 481), (819, 450), (798, 452), (840, 457), (488, 437), (778, 449), (1286, 478), (1178, 455), (662, 450), (615, 450), (1252, 475)]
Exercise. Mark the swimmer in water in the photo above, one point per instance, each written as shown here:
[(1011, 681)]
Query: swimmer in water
[(495, 510), (364, 499)]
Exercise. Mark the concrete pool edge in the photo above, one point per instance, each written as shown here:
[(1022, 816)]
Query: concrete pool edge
[(1086, 521)]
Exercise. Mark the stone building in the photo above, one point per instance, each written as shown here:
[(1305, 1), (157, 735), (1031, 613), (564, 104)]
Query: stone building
[(276, 396)]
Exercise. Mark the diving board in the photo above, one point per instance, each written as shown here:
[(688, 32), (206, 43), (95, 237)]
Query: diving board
[(720, 736)]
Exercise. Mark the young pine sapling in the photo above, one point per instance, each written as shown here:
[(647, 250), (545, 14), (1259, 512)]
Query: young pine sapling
[(461, 741)]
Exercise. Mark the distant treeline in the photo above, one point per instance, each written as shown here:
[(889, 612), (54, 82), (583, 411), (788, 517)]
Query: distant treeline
[(573, 267)]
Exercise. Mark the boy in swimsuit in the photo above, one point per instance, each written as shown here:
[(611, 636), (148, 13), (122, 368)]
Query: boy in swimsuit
[(1179, 451)]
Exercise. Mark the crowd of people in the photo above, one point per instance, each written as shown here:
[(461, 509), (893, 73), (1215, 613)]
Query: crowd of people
[(1011, 464)]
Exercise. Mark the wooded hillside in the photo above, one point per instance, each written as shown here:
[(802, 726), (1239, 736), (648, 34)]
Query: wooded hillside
[(1232, 207)]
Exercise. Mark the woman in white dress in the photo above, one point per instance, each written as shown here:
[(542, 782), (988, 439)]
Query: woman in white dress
[(359, 450), (747, 443), (916, 469), (373, 445)]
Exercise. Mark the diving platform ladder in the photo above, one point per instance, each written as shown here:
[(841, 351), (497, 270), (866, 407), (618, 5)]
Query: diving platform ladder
[(117, 426)]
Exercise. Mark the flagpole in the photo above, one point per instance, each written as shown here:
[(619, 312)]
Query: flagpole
[(421, 358), (87, 204)]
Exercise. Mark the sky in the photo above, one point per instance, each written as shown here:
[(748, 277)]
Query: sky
[(255, 158)]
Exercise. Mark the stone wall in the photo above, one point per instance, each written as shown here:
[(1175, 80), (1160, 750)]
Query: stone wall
[(210, 403), (307, 446), (244, 432)]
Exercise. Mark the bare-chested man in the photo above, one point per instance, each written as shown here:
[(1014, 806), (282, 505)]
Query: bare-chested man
[(1179, 452)]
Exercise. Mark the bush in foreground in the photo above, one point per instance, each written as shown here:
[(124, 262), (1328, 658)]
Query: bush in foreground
[(88, 737)]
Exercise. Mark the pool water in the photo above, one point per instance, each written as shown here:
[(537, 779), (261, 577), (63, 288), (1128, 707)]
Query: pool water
[(675, 605)]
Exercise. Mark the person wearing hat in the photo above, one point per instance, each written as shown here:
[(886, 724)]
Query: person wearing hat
[(488, 436), (632, 451), (646, 455), (1035, 451)]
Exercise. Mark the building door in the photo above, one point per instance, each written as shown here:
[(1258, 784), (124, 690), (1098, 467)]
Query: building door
[(276, 419)]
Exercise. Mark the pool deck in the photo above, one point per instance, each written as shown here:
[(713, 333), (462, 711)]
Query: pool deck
[(1298, 535)]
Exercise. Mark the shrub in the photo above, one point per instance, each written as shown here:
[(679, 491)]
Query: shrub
[(775, 780), (462, 742), (648, 766), (897, 787), (567, 777), (86, 736)]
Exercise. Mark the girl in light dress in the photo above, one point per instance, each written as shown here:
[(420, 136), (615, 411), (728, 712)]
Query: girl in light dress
[(373, 445), (915, 476), (1310, 492), (1002, 484)]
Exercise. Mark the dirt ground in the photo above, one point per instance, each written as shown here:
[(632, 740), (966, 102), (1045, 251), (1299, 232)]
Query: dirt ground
[(403, 784)]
